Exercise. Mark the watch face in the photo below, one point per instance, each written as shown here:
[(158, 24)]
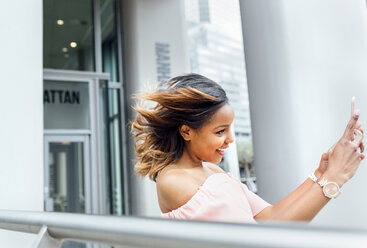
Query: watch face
[(331, 189)]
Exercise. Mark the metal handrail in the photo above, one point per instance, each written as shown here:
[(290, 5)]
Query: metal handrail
[(156, 232)]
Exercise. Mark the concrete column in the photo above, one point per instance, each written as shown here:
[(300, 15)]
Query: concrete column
[(154, 50), (305, 60), (21, 110)]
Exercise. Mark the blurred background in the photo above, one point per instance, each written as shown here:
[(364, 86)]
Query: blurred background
[(70, 67)]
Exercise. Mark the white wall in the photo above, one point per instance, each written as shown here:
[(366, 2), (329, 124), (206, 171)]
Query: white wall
[(145, 23), (305, 60), (21, 111)]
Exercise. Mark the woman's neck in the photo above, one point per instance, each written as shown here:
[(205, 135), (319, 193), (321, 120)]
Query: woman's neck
[(189, 161)]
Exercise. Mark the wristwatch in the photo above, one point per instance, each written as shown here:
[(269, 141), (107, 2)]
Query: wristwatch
[(330, 189)]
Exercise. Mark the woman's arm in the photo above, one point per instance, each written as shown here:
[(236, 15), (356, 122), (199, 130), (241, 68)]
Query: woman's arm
[(304, 208), (308, 199), (287, 201)]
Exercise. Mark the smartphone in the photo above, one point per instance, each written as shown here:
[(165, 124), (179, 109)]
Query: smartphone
[(353, 105)]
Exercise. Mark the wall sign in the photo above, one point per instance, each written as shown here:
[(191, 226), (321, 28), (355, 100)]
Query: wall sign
[(61, 96), (163, 61), (66, 105)]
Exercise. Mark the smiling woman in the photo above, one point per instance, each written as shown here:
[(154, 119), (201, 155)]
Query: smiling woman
[(178, 140), (190, 124)]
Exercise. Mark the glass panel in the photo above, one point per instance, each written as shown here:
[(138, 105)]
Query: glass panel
[(68, 35), (115, 150), (66, 181), (112, 146), (109, 38), (216, 51), (66, 105), (66, 177)]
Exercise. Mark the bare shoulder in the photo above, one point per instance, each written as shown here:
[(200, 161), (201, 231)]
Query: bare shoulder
[(175, 187), (215, 168)]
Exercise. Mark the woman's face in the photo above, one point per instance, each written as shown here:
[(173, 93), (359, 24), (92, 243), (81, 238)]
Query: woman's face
[(210, 142)]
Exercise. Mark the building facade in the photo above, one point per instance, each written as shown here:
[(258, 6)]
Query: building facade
[(69, 69), (216, 51)]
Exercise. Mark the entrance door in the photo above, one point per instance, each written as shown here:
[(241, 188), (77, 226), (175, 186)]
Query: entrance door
[(82, 143), (67, 176)]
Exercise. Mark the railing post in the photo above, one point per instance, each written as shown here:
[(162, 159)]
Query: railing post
[(44, 240)]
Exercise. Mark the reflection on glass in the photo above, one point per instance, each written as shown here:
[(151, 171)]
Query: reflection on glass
[(68, 34), (112, 144), (66, 181), (115, 150), (66, 177), (109, 38)]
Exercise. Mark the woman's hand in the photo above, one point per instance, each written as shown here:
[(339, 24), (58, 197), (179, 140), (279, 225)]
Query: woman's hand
[(324, 161), (323, 164), (344, 158)]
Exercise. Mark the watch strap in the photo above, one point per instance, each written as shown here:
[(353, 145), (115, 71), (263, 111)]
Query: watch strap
[(321, 181), (313, 177)]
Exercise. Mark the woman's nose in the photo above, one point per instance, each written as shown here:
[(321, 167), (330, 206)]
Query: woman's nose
[(230, 137)]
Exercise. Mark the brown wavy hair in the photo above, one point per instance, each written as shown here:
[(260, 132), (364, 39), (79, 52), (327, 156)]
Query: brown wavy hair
[(187, 100)]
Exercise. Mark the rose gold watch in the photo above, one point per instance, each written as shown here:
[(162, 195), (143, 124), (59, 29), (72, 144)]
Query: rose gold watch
[(330, 189)]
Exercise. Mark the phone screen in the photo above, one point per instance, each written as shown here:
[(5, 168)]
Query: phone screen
[(353, 105)]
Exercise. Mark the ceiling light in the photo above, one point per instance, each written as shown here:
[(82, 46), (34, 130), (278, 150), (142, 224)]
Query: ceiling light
[(73, 44), (60, 22), (64, 49)]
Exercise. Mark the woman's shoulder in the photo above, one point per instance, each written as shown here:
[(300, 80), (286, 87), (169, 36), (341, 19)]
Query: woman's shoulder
[(178, 177), (174, 177), (215, 168), (175, 187)]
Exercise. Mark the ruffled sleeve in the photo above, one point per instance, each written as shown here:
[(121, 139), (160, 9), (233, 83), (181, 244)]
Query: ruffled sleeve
[(257, 204), (202, 206), (221, 198)]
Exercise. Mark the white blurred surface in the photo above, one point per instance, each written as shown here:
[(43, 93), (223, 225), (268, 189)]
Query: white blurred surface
[(21, 111), (145, 24), (305, 60)]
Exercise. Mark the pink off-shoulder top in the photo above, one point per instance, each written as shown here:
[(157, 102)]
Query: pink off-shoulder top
[(222, 197)]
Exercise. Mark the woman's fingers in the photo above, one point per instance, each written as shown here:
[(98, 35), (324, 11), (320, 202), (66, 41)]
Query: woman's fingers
[(349, 131), (361, 146), (325, 156), (361, 129), (358, 138), (358, 125), (332, 148)]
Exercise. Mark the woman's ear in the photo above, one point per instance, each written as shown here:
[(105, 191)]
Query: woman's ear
[(185, 132)]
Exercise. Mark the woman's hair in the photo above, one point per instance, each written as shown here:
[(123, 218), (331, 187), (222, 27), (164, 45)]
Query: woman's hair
[(188, 100)]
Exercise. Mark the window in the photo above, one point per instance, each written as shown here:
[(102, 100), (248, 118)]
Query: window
[(68, 41)]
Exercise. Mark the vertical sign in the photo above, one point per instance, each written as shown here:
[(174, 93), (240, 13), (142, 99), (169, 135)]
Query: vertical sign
[(163, 61)]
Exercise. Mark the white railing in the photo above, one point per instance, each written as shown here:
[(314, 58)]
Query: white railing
[(53, 228)]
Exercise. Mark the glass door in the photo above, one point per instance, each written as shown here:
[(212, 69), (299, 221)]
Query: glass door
[(67, 177)]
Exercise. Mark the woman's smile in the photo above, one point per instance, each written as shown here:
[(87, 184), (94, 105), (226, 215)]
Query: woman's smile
[(221, 151)]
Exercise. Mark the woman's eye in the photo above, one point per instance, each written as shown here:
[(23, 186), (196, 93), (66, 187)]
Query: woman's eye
[(220, 132)]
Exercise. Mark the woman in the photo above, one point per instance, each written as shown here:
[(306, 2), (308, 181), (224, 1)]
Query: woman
[(179, 140)]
